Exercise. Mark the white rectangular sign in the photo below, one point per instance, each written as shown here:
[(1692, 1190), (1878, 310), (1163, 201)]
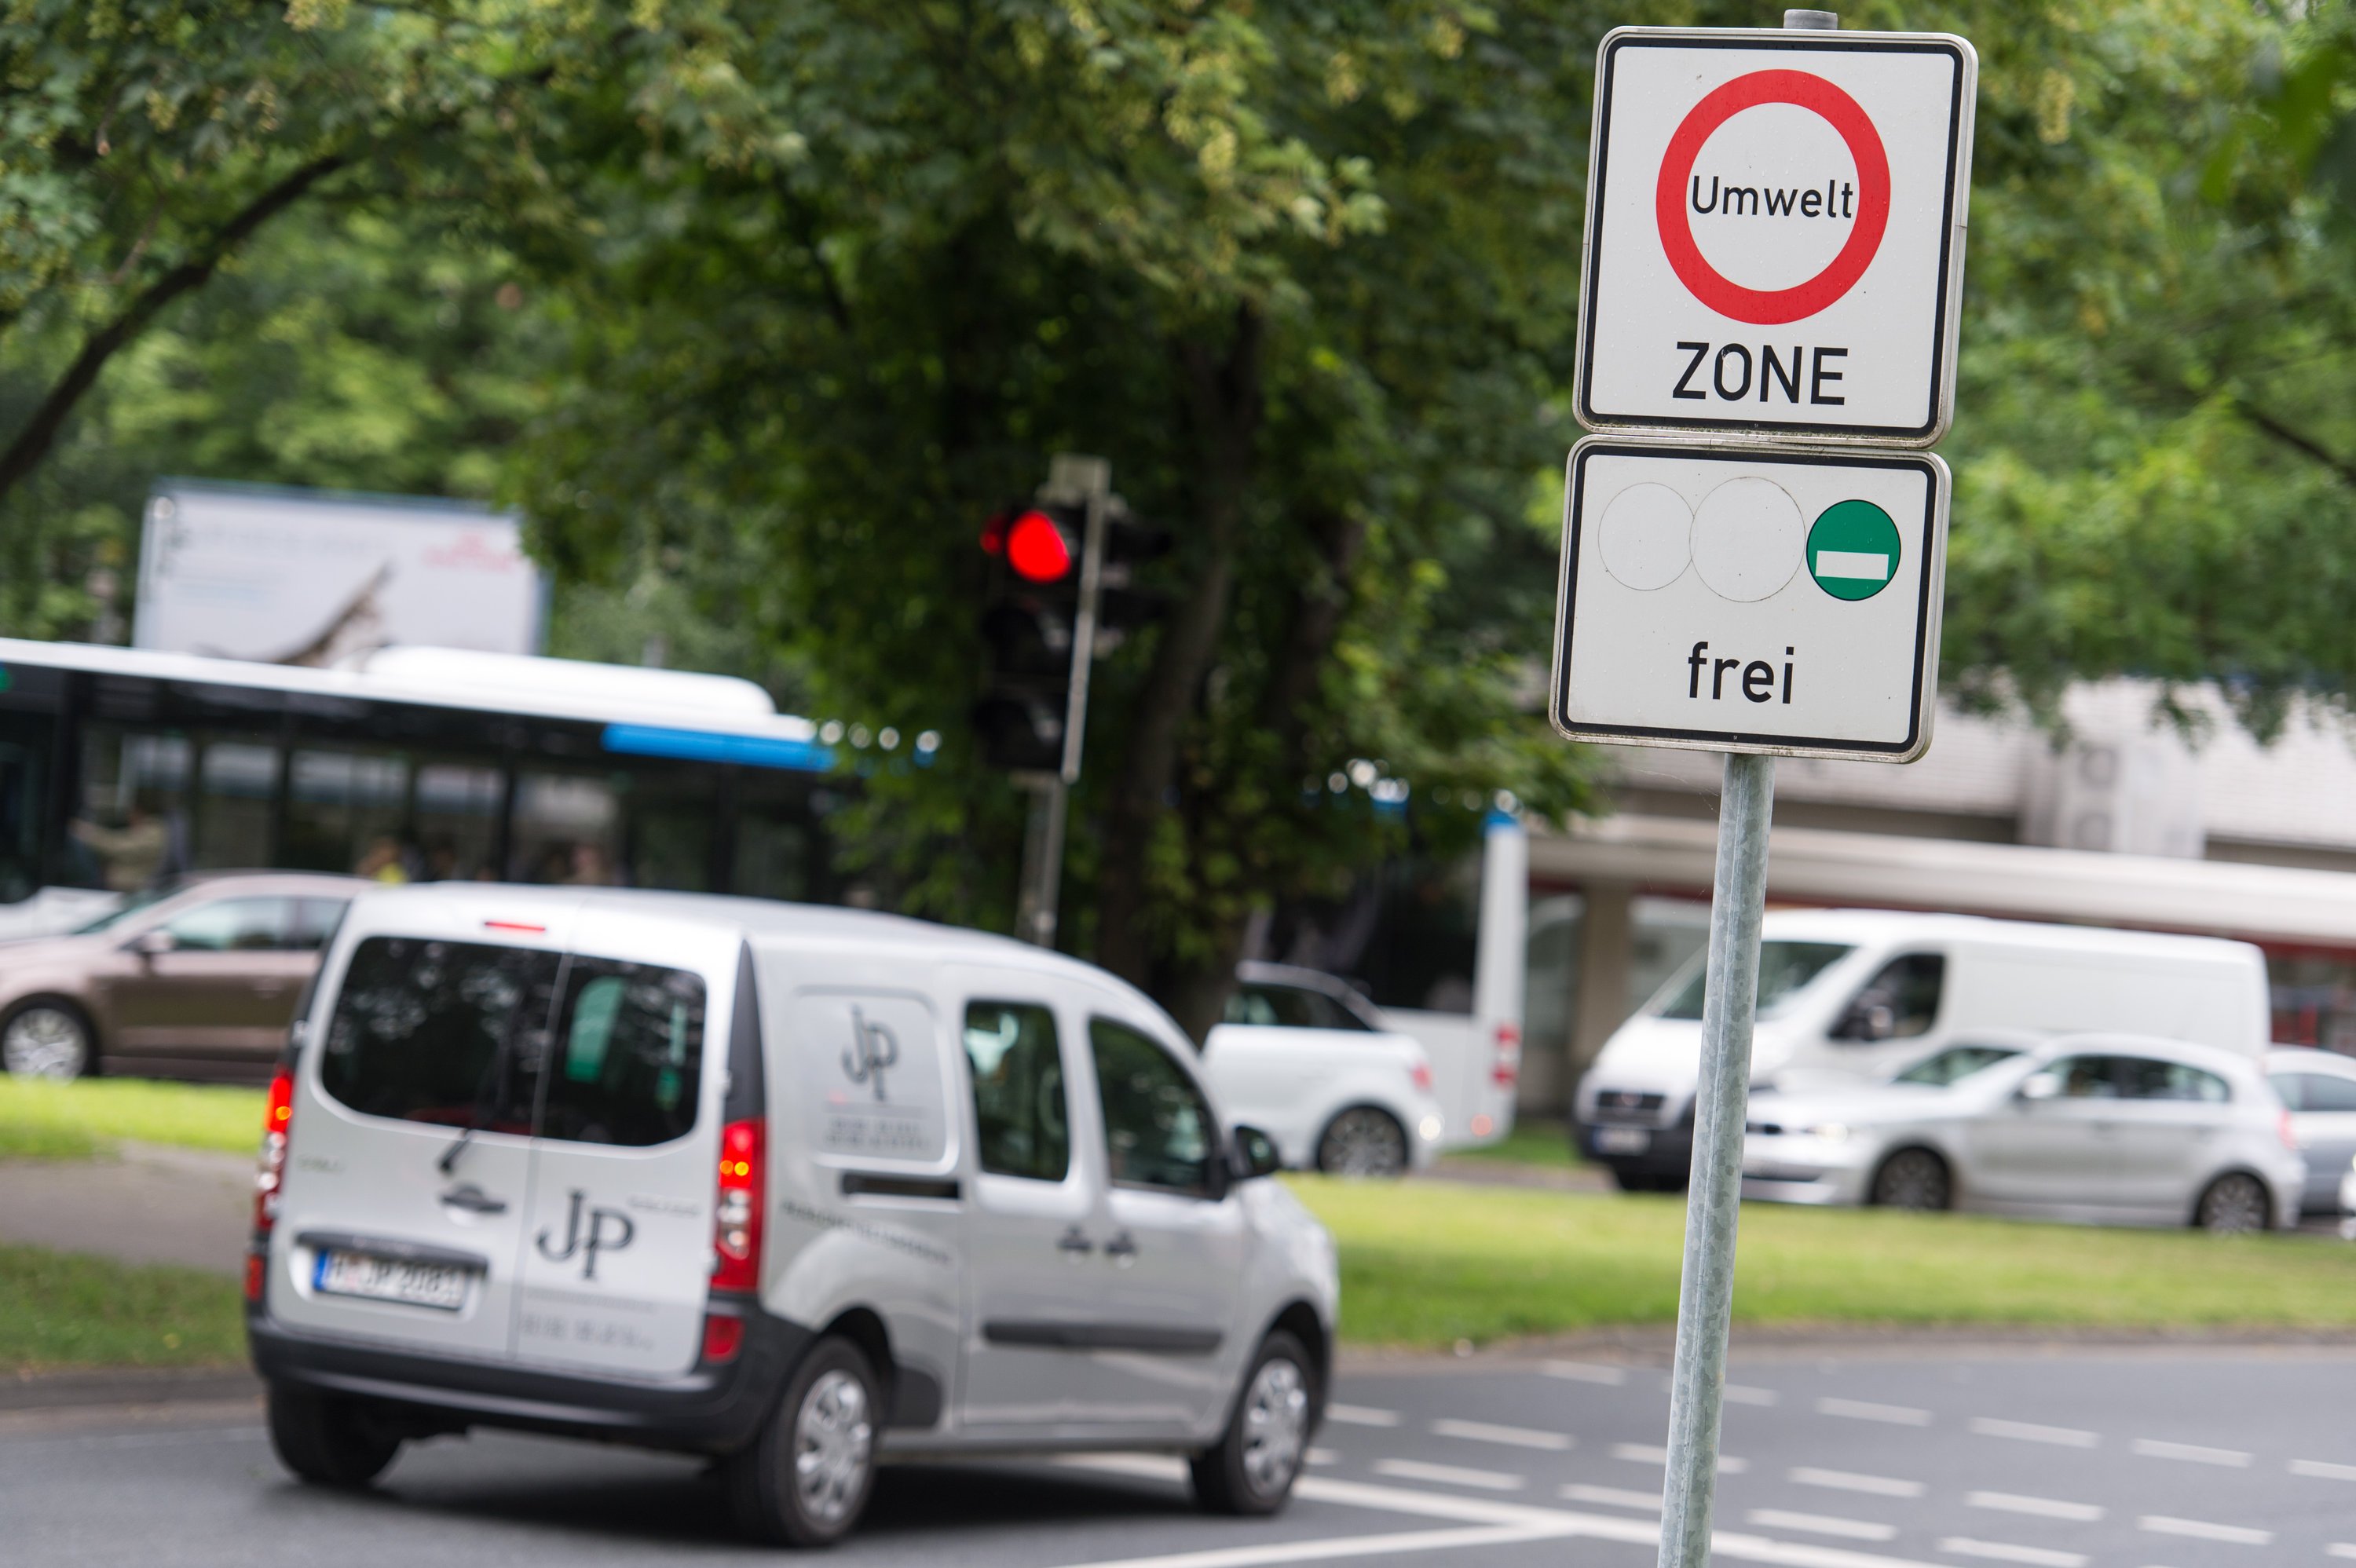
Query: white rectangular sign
[(1757, 600), (320, 579), (1774, 232)]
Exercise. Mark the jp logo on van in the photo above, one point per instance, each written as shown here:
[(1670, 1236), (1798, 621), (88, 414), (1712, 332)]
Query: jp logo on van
[(873, 1051), (587, 1243)]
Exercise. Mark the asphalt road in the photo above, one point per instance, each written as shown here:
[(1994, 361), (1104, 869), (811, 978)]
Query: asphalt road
[(2055, 1458)]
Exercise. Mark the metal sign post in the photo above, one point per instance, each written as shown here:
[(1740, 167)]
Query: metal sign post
[(1072, 480), (1774, 260)]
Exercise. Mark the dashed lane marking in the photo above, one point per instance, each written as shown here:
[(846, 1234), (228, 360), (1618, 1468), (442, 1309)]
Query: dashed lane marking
[(2030, 1432), (2006, 1551), (1510, 1436), (1865, 1410), (1463, 1538), (1739, 1394), (2192, 1453), (1850, 1482), (1644, 1453), (2319, 1468), (1612, 1497), (2037, 1507), (1361, 1415), (1822, 1524), (1448, 1475), (1322, 1457), (2341, 1549), (1587, 1372), (2201, 1530)]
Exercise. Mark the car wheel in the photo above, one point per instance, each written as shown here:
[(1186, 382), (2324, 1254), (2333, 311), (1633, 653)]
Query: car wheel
[(805, 1480), (45, 1039), (2234, 1205), (1363, 1141), (1250, 1470), (1913, 1179), (328, 1440)]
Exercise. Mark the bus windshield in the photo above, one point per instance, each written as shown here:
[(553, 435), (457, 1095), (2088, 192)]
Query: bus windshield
[(1785, 970)]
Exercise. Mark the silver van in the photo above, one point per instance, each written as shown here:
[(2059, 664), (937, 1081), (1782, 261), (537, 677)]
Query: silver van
[(801, 1189)]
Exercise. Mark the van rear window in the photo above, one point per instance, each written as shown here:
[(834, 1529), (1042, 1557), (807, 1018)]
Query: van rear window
[(449, 1032), (629, 1055)]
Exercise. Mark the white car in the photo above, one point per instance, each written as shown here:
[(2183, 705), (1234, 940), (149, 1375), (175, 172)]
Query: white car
[(795, 1188), (1305, 1058), (2320, 1087), (2117, 1129)]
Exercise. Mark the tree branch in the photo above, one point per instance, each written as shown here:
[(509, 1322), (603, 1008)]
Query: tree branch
[(2298, 442), (32, 443)]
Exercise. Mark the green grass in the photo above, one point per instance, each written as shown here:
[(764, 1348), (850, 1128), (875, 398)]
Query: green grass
[(1532, 1141), (59, 1311), (71, 1121), (1428, 1264)]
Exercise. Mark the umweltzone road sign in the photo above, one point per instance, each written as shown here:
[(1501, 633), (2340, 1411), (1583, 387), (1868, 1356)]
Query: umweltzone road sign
[(1775, 232), (1777, 601)]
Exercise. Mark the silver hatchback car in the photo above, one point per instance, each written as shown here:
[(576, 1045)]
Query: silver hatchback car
[(2110, 1129)]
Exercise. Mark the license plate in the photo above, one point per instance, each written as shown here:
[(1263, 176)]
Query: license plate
[(1621, 1141), (439, 1285)]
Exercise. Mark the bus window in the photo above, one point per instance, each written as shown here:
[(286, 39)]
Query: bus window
[(235, 782), (132, 828), (338, 802), (1407, 930), (457, 822), (566, 831), (20, 817), (669, 814)]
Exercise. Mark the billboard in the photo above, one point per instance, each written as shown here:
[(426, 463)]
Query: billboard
[(319, 578)]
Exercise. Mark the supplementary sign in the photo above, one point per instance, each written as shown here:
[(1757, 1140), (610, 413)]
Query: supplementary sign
[(1782, 601), (1774, 232)]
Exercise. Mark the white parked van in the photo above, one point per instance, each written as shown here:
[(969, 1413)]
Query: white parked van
[(1845, 994), (797, 1188)]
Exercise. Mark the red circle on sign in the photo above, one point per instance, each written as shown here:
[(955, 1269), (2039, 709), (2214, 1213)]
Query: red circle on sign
[(1773, 307)]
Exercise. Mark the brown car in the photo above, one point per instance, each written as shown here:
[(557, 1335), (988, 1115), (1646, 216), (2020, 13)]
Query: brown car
[(197, 980)]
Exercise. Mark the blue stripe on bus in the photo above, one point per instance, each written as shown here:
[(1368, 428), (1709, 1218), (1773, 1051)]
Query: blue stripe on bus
[(703, 746)]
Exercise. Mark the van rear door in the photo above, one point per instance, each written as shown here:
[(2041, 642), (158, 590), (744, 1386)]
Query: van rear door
[(617, 1255), (409, 1149)]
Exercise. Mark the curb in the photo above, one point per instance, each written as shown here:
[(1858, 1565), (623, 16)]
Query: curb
[(128, 1386)]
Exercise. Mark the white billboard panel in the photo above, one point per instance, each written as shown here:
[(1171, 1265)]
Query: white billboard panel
[(318, 578)]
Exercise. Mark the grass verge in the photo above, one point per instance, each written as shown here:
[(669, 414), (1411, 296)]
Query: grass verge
[(59, 1310), (1428, 1264), (76, 1120), (1533, 1142)]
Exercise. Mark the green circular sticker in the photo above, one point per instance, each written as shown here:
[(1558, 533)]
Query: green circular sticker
[(1853, 549)]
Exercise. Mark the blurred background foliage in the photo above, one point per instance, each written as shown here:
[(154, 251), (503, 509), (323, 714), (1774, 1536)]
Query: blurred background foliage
[(756, 310)]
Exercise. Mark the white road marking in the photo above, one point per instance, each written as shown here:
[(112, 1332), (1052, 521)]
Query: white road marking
[(2341, 1549), (2326, 1471), (1587, 1372), (1511, 1436), (1360, 1415), (2201, 1530), (2153, 1448), (1850, 1482), (2040, 1508), (1463, 1538), (2005, 1552), (1865, 1410), (2030, 1432), (1643, 1454), (1614, 1496), (1822, 1524), (1322, 1456), (1448, 1475), (1739, 1394)]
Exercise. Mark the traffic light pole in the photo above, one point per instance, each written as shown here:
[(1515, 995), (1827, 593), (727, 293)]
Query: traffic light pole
[(1072, 480)]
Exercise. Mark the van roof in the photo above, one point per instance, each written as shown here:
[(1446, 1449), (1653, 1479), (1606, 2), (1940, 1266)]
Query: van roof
[(764, 922), (1864, 926)]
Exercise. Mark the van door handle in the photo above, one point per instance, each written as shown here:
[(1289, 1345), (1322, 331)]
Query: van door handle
[(472, 1200), (1123, 1249), (1073, 1241)]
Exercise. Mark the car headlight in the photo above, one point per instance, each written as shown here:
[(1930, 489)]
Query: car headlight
[(1831, 1131)]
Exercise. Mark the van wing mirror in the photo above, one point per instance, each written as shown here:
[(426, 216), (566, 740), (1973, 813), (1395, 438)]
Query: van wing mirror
[(2040, 1086), (1255, 1154)]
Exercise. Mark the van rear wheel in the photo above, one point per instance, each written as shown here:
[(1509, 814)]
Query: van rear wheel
[(805, 1480), (328, 1440), (1251, 1468)]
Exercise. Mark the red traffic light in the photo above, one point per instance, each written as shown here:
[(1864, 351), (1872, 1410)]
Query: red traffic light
[(1036, 549)]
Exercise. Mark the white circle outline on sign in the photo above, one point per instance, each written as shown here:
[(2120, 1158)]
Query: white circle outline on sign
[(1748, 538), (1645, 538)]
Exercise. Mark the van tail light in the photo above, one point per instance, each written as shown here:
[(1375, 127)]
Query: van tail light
[(1418, 1073), (737, 1224), (2287, 1130), (269, 1175), (1506, 1070), (724, 1336)]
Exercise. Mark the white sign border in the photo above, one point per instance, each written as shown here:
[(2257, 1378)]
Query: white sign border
[(1930, 612), (1951, 246)]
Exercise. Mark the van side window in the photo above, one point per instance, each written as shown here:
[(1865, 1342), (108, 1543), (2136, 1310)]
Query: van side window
[(1158, 1130), (1900, 1002), (1019, 1109), (628, 1055), (448, 1032)]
